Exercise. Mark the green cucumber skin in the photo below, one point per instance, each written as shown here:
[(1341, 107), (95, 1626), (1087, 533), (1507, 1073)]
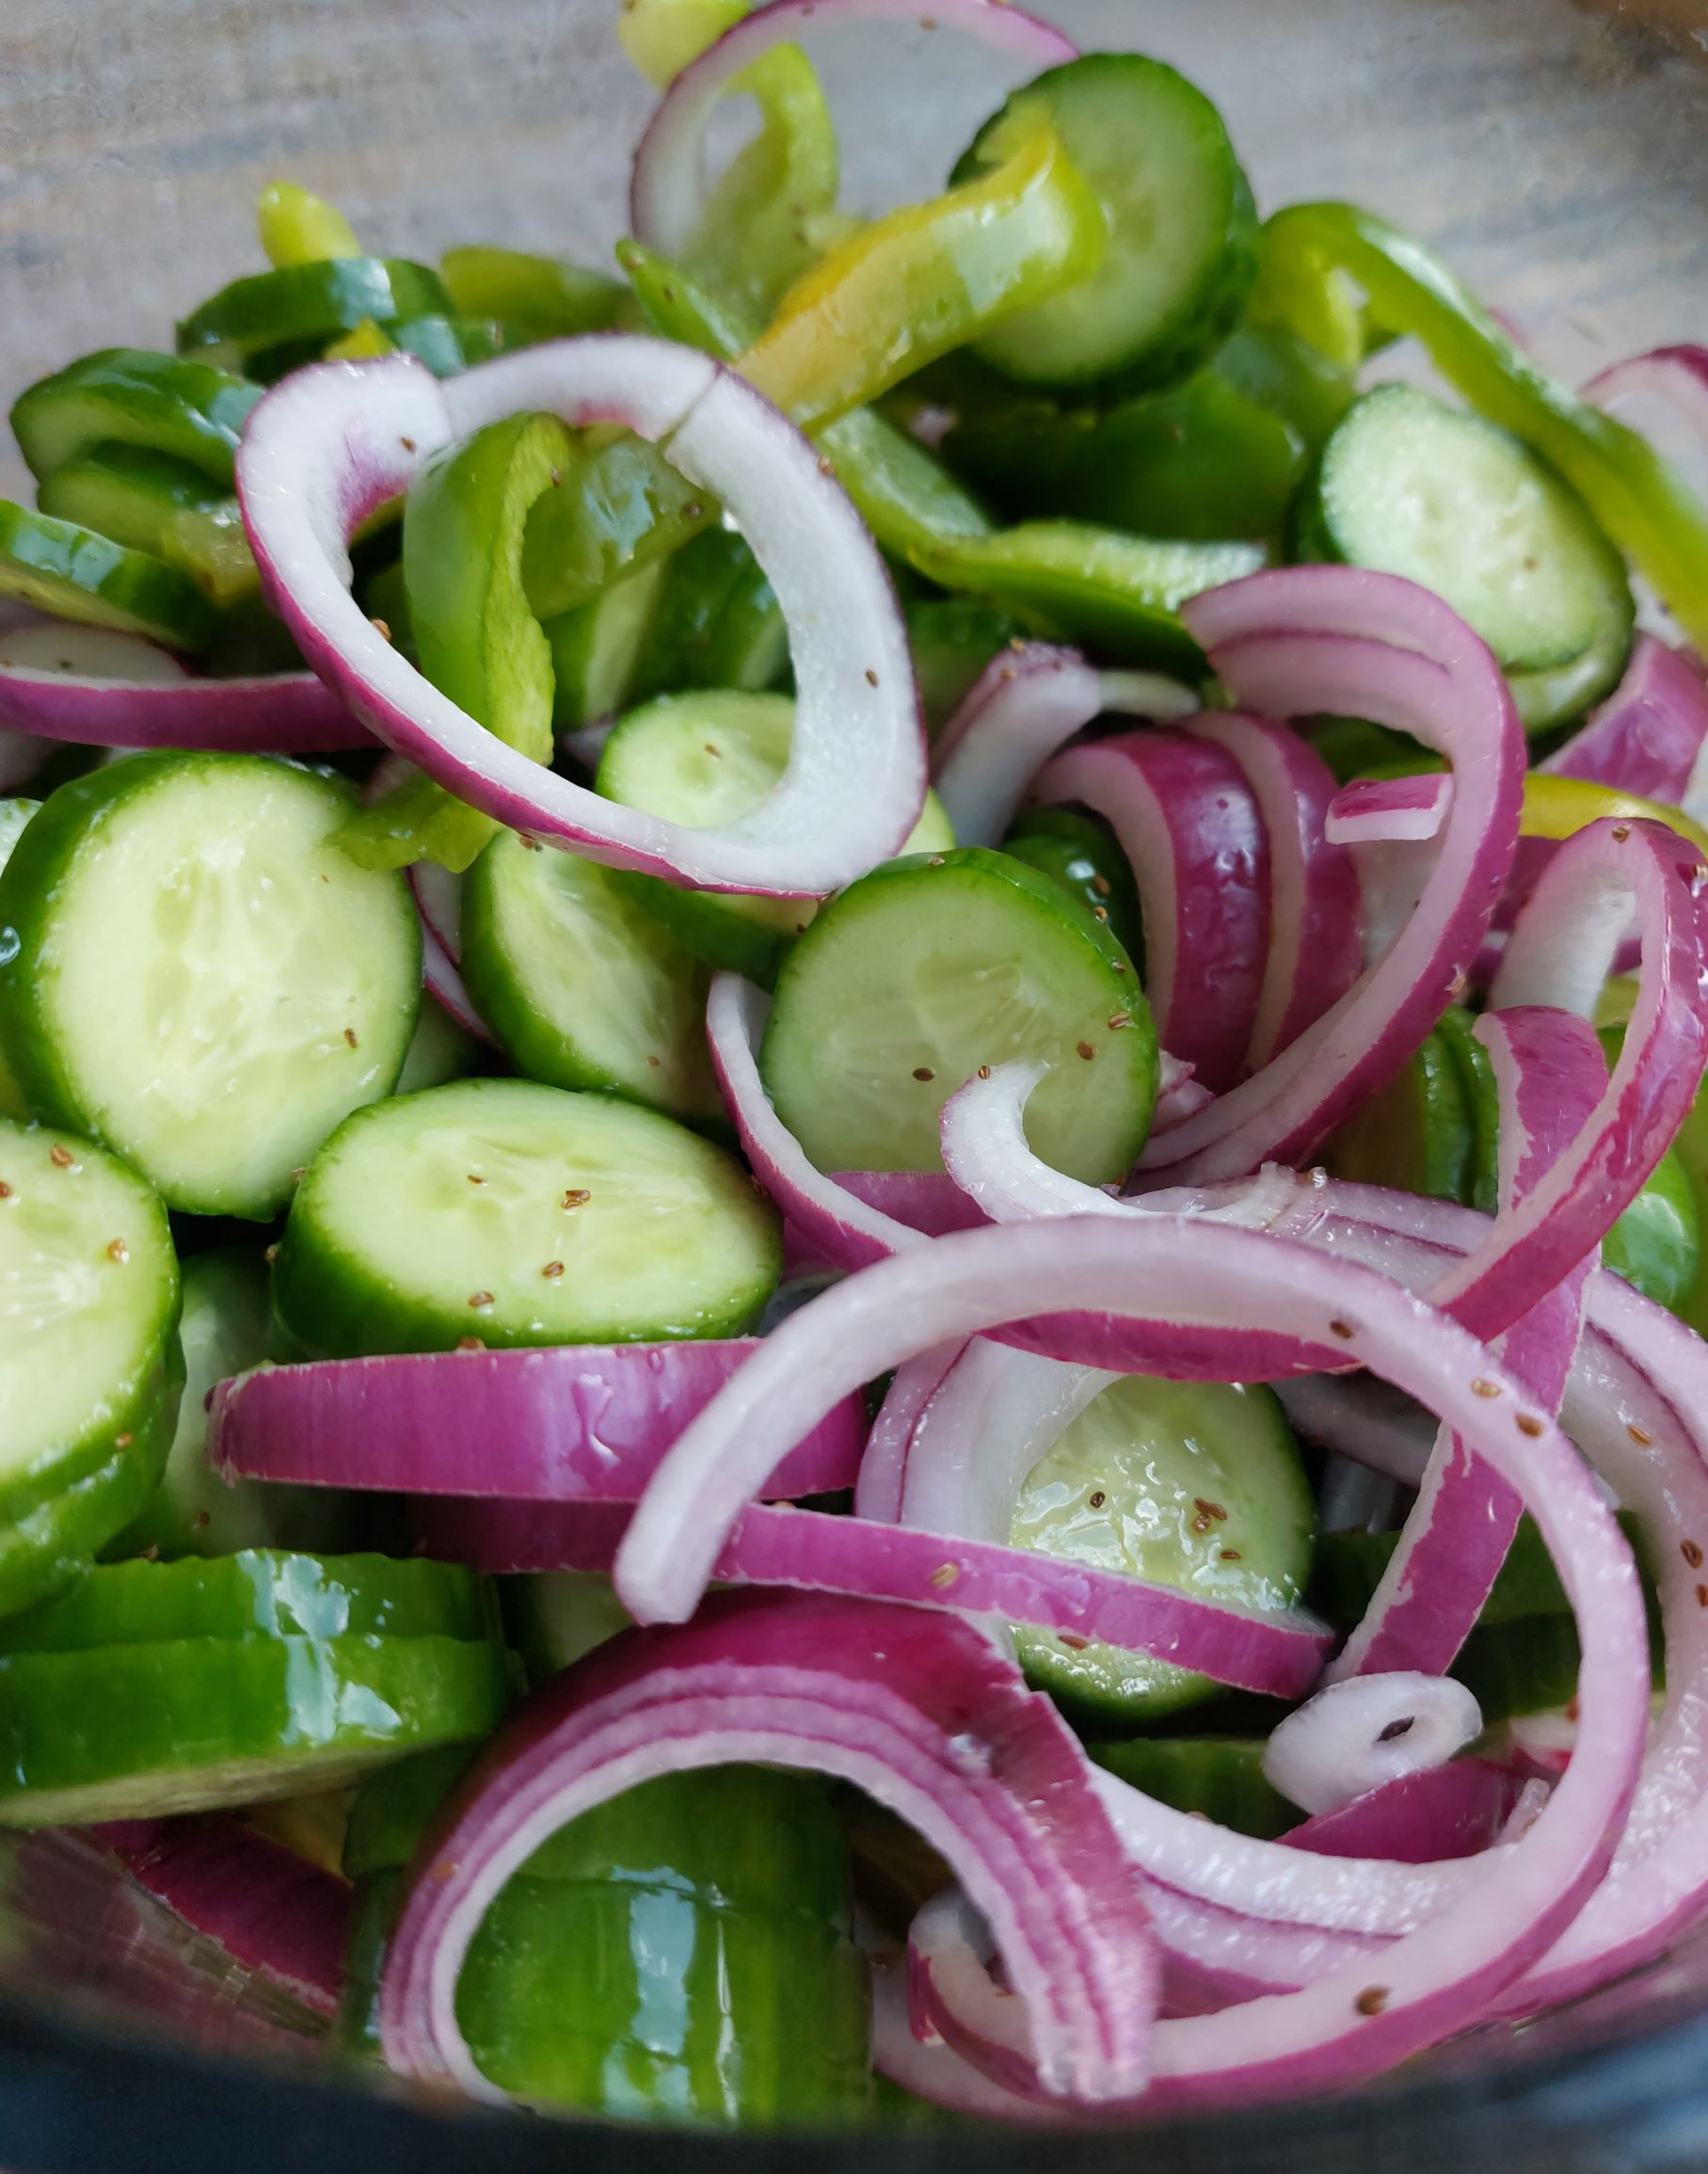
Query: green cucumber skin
[(310, 303), (1038, 345), (41, 875), (259, 1592), (1216, 1778), (166, 404), (154, 503), (70, 572), (198, 1723), (547, 1048), (1082, 855), (1418, 1134), (330, 1303)]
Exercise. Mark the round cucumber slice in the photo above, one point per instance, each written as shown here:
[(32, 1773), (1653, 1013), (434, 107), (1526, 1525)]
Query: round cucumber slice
[(306, 305), (710, 758), (15, 814), (502, 1212), (1409, 486), (931, 966), (1190, 1485), (89, 1318), (597, 648), (259, 1592), (72, 573), (581, 984), (225, 1330), (189, 1724), (1181, 254), (197, 977)]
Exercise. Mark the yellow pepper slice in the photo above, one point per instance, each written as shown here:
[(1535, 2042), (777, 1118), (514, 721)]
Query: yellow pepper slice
[(299, 228), (1558, 807)]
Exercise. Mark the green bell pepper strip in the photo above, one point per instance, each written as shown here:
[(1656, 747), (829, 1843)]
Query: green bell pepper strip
[(151, 502), (930, 278), (952, 639), (662, 37), (71, 573), (476, 638), (757, 234), (716, 623), (1638, 498), (168, 404), (616, 507), (267, 322), (299, 228), (543, 297)]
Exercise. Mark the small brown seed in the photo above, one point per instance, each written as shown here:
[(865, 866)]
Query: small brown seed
[(350, 1036), (1482, 1388), (271, 1254), (1527, 1423), (1230, 1554), (1097, 1500), (475, 1177), (944, 1575), (1702, 1596), (1692, 1553), (6, 1191), (984, 1071), (1073, 1641), (1210, 1509), (552, 1270), (923, 1072), (1102, 885), (61, 1157), (1371, 2002), (577, 1196), (1085, 1050), (1119, 1019), (871, 677), (480, 1299), (1641, 1437), (470, 1344), (1100, 913), (407, 443), (1621, 831), (381, 628), (118, 1251), (123, 1441), (1341, 1329)]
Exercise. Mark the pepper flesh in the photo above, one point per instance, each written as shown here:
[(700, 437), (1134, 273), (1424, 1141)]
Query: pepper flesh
[(1559, 807), (299, 228), (1644, 506), (928, 278)]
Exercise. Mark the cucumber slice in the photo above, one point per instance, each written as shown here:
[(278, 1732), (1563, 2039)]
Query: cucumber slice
[(260, 1592), (15, 814), (71, 573), (194, 1513), (710, 758), (500, 1211), (189, 1724), (151, 502), (545, 297), (1218, 1778), (129, 396), (1119, 594), (1418, 1134), (1181, 255), (89, 1318), (932, 966), (1410, 486), (197, 977), (46, 1548), (1082, 852), (597, 648), (582, 986), (303, 306), (1190, 1485)]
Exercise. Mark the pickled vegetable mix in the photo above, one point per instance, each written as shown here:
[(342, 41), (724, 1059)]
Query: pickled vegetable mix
[(854, 1184)]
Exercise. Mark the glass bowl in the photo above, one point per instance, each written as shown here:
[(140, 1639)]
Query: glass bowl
[(1558, 154)]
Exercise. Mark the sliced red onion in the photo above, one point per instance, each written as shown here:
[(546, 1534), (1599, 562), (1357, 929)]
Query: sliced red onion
[(445, 982), (1303, 639), (1278, 1655), (1373, 810), (1676, 375), (270, 1909), (1314, 955), (1189, 824), (986, 1153), (1353, 1736), (330, 442), (1178, 1094), (1362, 1420), (1647, 737), (1028, 701), (1550, 1076), (884, 1467), (563, 1423), (1558, 955), (928, 2068), (438, 900), (667, 186), (1431, 1817), (105, 689), (912, 1706)]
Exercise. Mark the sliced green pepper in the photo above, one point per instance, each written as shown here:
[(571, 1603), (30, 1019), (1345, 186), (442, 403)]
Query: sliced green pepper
[(717, 622), (544, 297), (1641, 501), (952, 640), (299, 228), (930, 278), (475, 635), (132, 396), (71, 573), (615, 508), (597, 648), (662, 37), (269, 322), (1416, 1134)]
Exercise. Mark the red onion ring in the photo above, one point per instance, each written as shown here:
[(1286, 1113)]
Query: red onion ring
[(1314, 956), (1028, 701), (103, 688), (560, 1423), (914, 1707), (1373, 810), (329, 442), (1366, 1732), (1189, 824), (667, 190), (1428, 1818), (1298, 640), (1647, 737)]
